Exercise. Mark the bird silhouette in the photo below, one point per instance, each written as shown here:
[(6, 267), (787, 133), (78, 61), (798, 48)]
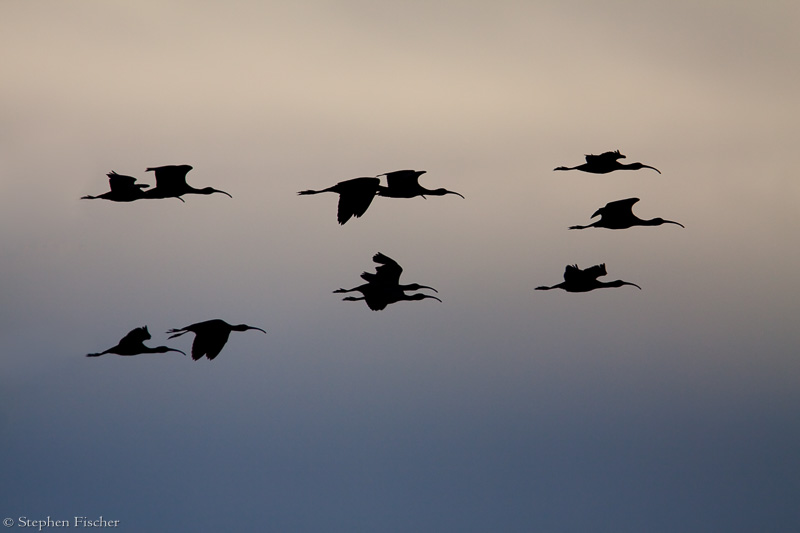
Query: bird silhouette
[(171, 183), (405, 184), (355, 196), (619, 215), (577, 280), (383, 287), (133, 344), (605, 163), (210, 336), (123, 189)]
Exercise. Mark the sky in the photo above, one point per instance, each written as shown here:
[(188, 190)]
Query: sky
[(502, 408)]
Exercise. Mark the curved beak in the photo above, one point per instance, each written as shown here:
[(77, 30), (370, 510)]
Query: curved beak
[(629, 283), (431, 297), (426, 287), (654, 168), (457, 194), (259, 329), (673, 222), (174, 350), (229, 196)]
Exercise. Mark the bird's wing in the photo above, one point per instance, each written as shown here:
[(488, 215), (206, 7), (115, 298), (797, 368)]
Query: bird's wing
[(618, 206), (170, 175), (402, 178), (122, 183), (136, 335), (376, 299), (595, 271), (211, 346), (572, 273), (353, 204), (388, 271), (605, 157), (355, 197), (210, 337)]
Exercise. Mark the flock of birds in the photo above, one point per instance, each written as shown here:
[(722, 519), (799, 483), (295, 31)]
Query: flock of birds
[(382, 287)]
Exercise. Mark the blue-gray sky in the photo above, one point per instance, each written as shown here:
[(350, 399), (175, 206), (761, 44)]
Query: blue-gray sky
[(674, 408)]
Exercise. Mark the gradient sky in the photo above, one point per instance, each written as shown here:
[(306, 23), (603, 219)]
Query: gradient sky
[(674, 408)]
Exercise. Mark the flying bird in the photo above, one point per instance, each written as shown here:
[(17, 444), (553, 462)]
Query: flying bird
[(355, 196), (133, 344), (619, 215), (405, 184), (171, 183), (577, 280), (605, 163), (123, 189), (383, 287), (210, 336)]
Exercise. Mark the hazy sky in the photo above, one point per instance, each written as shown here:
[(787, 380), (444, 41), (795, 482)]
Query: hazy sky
[(673, 408)]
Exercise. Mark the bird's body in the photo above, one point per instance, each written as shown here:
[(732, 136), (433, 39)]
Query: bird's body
[(210, 336), (355, 196), (171, 183), (605, 163), (405, 184), (577, 280), (123, 189), (133, 344), (383, 286), (619, 215)]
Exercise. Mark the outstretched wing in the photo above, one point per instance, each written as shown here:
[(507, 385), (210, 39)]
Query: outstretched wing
[(618, 206), (120, 183), (605, 157), (136, 336), (389, 271), (170, 175), (208, 345), (400, 179), (572, 273), (595, 271), (355, 197)]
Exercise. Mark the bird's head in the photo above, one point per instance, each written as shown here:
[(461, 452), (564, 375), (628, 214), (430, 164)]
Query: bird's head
[(620, 283), (417, 286), (212, 190), (442, 192), (637, 166), (245, 327), (659, 221)]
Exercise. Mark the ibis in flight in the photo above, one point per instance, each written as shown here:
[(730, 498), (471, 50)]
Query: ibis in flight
[(123, 189), (210, 336), (133, 344), (619, 215), (355, 196), (405, 184), (605, 163), (171, 183), (383, 287), (577, 280)]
